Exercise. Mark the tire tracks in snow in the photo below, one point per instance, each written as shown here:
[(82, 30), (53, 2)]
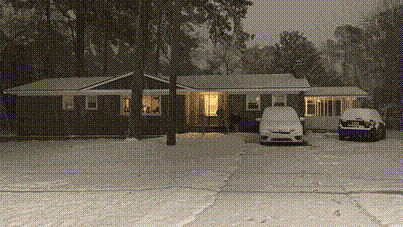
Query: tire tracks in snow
[(355, 203), (220, 188)]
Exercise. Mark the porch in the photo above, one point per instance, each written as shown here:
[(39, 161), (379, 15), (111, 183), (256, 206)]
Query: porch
[(323, 113), (201, 109)]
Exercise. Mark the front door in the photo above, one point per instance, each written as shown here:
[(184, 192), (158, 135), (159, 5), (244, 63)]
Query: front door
[(202, 107)]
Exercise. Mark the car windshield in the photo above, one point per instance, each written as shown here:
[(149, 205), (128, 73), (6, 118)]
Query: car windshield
[(280, 114)]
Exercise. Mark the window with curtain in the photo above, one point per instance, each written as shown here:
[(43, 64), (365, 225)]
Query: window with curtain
[(253, 102), (151, 105), (68, 102)]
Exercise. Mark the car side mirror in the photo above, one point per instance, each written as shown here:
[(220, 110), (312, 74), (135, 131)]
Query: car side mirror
[(302, 119), (258, 119)]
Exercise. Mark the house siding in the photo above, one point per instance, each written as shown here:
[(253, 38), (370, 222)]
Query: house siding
[(297, 101), (44, 116), (248, 117), (38, 115)]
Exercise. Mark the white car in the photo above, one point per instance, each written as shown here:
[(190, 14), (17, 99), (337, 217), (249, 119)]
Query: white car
[(280, 124), (362, 122)]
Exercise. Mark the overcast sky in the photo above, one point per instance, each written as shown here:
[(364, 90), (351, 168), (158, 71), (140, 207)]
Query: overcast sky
[(317, 19)]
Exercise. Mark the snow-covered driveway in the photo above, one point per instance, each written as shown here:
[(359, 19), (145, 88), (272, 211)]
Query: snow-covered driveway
[(327, 165)]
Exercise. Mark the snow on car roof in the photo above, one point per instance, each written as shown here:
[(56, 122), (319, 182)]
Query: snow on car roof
[(364, 113), (279, 113)]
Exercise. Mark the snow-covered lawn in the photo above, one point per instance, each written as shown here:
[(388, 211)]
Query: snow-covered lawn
[(122, 164), (168, 185), (168, 207)]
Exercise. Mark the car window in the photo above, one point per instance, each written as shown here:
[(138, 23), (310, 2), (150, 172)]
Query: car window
[(279, 114)]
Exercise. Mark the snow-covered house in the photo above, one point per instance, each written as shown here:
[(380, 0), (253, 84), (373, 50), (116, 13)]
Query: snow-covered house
[(100, 105)]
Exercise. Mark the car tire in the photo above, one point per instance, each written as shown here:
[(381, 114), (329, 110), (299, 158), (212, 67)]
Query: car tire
[(384, 134), (341, 135)]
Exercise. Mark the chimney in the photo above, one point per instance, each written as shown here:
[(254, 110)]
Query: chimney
[(299, 70)]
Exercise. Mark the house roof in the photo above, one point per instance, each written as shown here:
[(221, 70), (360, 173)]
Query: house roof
[(71, 83), (245, 81), (60, 84), (203, 82), (336, 91)]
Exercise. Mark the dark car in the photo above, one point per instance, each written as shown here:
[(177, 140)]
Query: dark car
[(362, 123)]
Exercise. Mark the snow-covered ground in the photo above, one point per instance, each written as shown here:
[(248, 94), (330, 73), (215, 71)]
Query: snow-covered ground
[(132, 183), (210, 180)]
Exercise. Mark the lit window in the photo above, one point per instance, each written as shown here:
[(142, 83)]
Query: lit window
[(151, 105), (126, 105), (252, 102), (91, 102), (310, 108), (68, 102), (324, 106), (210, 104)]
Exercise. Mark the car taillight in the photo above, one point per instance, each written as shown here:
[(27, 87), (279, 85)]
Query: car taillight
[(372, 123)]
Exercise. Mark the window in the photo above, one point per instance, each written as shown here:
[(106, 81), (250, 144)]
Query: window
[(328, 106), (310, 108), (252, 102), (68, 102), (210, 104), (279, 100), (151, 105), (126, 105), (91, 102)]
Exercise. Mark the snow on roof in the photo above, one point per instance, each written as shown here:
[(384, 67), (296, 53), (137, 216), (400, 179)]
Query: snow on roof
[(247, 81), (244, 81), (60, 84), (336, 91)]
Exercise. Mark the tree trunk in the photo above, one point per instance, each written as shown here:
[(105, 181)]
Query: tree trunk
[(136, 127), (3, 107), (80, 33), (175, 70), (48, 29)]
